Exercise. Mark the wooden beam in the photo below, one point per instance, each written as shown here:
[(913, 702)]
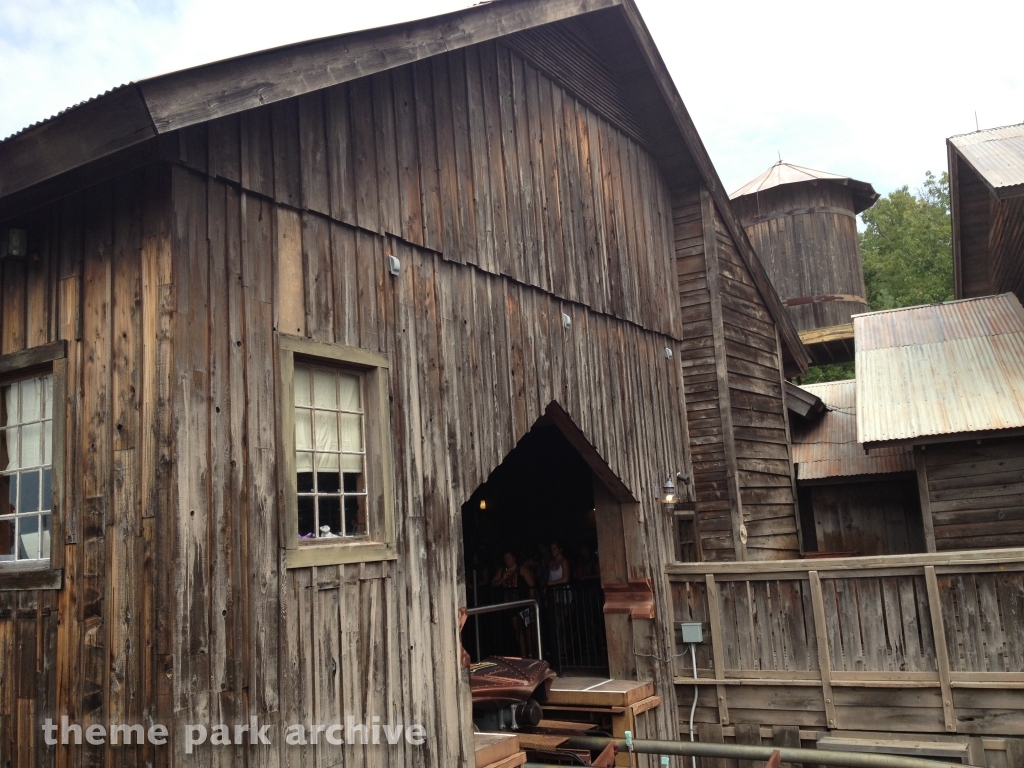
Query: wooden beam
[(927, 522), (16, 580), (707, 209), (941, 651), (831, 333), (26, 359), (214, 90), (717, 646), (824, 662)]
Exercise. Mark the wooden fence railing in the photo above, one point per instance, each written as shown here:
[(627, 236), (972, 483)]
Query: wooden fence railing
[(922, 643)]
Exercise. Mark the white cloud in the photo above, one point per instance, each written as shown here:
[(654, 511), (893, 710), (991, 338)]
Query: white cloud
[(870, 89)]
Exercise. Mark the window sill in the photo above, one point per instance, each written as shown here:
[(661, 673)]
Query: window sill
[(18, 577), (339, 553)]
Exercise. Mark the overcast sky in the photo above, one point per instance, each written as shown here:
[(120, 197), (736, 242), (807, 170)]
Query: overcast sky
[(870, 89)]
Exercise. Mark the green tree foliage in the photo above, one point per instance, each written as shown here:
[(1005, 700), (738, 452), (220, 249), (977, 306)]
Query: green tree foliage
[(907, 247), (818, 374)]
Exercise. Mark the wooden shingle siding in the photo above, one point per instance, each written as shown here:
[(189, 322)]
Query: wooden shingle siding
[(476, 155)]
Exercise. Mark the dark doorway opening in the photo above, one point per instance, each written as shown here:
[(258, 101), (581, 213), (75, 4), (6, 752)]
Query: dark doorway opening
[(541, 495)]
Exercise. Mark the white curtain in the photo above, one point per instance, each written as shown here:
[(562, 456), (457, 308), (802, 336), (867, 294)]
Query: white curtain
[(326, 432), (11, 412)]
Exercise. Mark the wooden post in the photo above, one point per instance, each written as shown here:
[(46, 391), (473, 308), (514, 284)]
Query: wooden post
[(717, 649), (922, 491), (941, 652), (707, 208), (824, 662)]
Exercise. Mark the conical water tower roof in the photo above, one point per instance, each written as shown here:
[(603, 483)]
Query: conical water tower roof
[(864, 195)]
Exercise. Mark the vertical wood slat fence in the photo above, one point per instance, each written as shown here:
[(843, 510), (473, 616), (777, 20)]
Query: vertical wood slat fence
[(913, 643)]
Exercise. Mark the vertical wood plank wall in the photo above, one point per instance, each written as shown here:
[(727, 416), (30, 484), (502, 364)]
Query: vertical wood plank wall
[(508, 203), (95, 650), (739, 445)]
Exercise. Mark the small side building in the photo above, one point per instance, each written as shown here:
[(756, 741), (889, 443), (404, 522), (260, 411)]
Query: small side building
[(986, 193), (948, 380), (852, 502)]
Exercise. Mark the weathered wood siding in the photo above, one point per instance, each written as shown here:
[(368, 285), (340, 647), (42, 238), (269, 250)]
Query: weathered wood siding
[(875, 516), (1006, 246), (911, 644), (975, 493), (508, 204), (97, 650), (475, 155), (806, 237), (734, 399), (973, 215)]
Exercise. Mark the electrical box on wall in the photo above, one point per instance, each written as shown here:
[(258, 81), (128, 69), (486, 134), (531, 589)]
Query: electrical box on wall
[(693, 632), (13, 243)]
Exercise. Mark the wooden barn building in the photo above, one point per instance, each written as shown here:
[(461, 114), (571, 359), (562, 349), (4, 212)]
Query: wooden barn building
[(268, 324), (287, 340)]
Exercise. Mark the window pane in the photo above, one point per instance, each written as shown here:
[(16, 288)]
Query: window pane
[(328, 482), (28, 499), (31, 445), (4, 450), (330, 516), (307, 518), (325, 389), (355, 515), (303, 430), (350, 398), (31, 400), (6, 540), (47, 443), (48, 397), (351, 432), (11, 409), (304, 481), (301, 384), (354, 482), (327, 462), (325, 430), (8, 494), (28, 537), (11, 440), (45, 540), (46, 497)]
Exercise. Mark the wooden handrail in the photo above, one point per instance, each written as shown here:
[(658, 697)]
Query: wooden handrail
[(944, 562)]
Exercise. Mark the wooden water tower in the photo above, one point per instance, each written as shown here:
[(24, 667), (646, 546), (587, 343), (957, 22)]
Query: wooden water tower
[(803, 225)]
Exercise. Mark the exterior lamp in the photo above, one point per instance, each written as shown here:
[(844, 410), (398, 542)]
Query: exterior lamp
[(668, 492)]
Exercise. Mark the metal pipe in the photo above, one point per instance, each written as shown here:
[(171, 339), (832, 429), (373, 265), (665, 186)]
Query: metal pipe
[(496, 607), (823, 757), (476, 619), (696, 693)]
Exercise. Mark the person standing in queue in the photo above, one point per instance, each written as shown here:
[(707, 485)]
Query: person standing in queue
[(516, 583)]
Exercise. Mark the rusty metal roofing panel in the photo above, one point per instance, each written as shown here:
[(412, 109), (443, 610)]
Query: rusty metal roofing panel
[(941, 369), (828, 447), (997, 154)]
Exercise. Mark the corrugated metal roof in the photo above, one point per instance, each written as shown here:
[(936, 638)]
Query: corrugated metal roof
[(65, 111), (940, 369), (828, 447), (997, 154), (786, 173)]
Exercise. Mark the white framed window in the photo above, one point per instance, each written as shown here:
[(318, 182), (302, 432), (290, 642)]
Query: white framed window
[(26, 469), (335, 454), (330, 452), (32, 404)]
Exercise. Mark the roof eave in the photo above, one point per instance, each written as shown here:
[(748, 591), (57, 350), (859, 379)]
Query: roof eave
[(130, 115)]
